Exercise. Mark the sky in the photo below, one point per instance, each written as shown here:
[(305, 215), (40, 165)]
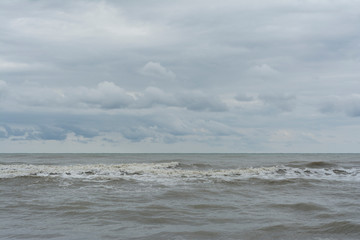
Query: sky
[(180, 76)]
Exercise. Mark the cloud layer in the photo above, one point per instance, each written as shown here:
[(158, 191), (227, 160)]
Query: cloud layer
[(249, 76)]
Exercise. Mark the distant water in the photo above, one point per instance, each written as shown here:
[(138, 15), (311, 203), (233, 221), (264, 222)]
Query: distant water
[(180, 196)]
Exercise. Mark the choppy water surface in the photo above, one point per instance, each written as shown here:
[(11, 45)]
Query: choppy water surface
[(179, 196)]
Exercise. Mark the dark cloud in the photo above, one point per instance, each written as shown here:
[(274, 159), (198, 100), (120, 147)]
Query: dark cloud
[(44, 132), (138, 133), (3, 134), (16, 132), (355, 110), (47, 133), (350, 105)]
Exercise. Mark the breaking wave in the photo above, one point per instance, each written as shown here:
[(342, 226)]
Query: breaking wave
[(173, 170)]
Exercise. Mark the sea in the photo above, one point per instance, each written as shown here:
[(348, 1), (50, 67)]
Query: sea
[(180, 196)]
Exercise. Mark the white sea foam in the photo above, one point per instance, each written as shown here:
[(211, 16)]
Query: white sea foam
[(172, 170)]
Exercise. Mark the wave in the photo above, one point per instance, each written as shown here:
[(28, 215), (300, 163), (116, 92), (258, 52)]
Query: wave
[(337, 227), (307, 206), (320, 165), (340, 229), (173, 170)]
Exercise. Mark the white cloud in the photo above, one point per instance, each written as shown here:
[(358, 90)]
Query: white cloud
[(155, 69), (97, 20), (10, 66), (107, 95), (263, 70), (153, 96)]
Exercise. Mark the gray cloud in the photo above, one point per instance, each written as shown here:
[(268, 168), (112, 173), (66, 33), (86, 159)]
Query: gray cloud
[(263, 70), (44, 132), (153, 96), (47, 133), (108, 96), (155, 69), (80, 131), (201, 73), (350, 105), (3, 87), (283, 102), (10, 132), (197, 101), (243, 97)]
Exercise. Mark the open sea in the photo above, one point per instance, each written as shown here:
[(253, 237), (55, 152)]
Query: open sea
[(180, 196)]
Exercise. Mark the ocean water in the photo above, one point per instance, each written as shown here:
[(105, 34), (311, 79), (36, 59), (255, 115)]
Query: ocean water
[(180, 196)]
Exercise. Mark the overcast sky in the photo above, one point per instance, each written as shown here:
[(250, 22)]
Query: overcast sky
[(180, 76)]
